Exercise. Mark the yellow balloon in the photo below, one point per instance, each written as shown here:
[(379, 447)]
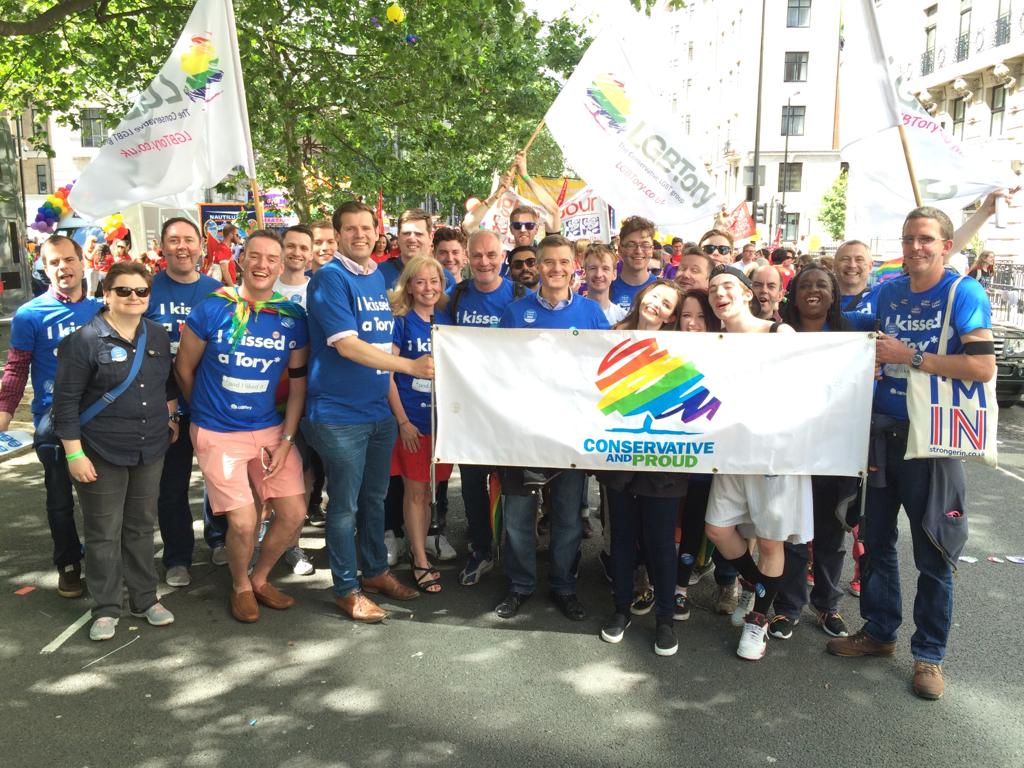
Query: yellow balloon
[(395, 13), (814, 243)]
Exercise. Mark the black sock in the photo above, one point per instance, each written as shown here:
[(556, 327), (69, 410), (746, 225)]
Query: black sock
[(765, 596), (747, 568)]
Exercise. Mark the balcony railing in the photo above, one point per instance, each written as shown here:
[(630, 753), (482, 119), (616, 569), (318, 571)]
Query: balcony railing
[(960, 48), (963, 47), (928, 62), (1002, 35)]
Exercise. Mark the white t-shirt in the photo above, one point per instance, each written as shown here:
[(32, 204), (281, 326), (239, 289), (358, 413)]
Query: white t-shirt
[(614, 314), (296, 293)]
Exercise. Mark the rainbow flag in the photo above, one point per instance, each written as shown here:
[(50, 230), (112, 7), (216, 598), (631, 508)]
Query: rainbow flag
[(887, 270)]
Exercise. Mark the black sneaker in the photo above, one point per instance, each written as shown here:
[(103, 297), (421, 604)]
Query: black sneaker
[(665, 643), (615, 627), (700, 571), (69, 580), (781, 627), (315, 516), (606, 565), (682, 610), (642, 602), (832, 624), (570, 606), (510, 606)]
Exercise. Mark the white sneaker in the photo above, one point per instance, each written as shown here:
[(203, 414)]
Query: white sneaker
[(178, 576), (299, 561), (219, 555), (744, 605), (437, 546), (103, 628), (156, 615), (754, 640), (395, 547)]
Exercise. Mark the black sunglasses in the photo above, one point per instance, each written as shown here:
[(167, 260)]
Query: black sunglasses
[(722, 249), (529, 226), (530, 262), (124, 291)]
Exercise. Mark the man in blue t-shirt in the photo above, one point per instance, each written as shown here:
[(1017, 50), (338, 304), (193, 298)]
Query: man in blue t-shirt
[(555, 305), (910, 313), (175, 292), (414, 226), (348, 421), (36, 330), (853, 268), (636, 246), (234, 349)]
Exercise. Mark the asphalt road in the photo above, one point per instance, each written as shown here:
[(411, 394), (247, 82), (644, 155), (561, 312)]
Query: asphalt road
[(444, 682)]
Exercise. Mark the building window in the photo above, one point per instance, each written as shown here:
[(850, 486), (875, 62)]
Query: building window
[(959, 113), (928, 57), (686, 125), (796, 67), (1003, 23), (790, 176), (790, 226), (42, 180), (793, 121), (94, 132), (798, 13), (998, 105), (748, 175), (963, 40)]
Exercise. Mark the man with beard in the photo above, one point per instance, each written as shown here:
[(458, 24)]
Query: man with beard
[(522, 266)]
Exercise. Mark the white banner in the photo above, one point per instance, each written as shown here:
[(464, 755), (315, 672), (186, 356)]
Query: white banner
[(585, 216), (615, 135), (874, 101), (694, 402), (187, 131)]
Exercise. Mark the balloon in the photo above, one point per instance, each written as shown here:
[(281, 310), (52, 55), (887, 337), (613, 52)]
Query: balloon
[(814, 243), (395, 13), (376, 22), (471, 203), (411, 39)]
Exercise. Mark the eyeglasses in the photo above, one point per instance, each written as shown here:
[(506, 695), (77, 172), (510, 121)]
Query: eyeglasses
[(924, 240), (124, 291), (722, 249), (531, 262), (529, 226), (630, 247)]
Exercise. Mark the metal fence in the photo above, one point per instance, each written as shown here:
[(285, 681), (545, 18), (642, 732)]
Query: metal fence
[(1006, 293)]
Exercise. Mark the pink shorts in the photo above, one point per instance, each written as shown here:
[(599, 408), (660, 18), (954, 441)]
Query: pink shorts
[(230, 460), (416, 466)]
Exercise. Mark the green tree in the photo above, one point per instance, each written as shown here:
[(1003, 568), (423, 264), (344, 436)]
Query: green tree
[(341, 101), (833, 208)]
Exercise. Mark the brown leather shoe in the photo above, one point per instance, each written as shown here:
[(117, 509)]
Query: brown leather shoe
[(358, 607), (386, 584), (859, 644), (274, 598), (928, 680), (243, 606)]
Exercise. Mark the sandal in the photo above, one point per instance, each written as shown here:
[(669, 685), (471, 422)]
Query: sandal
[(427, 579)]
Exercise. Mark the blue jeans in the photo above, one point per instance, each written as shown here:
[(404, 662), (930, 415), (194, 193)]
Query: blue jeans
[(357, 462), (880, 600), (215, 527), (60, 505), (477, 500), (657, 517), (520, 556)]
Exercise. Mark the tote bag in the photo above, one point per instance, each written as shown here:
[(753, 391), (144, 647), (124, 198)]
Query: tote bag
[(950, 418)]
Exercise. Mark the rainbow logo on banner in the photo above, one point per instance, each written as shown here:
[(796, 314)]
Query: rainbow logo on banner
[(200, 63), (636, 377), (609, 105), (888, 270)]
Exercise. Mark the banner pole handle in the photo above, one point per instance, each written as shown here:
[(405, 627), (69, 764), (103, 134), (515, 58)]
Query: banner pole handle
[(433, 442), (910, 165), (536, 131), (257, 202)]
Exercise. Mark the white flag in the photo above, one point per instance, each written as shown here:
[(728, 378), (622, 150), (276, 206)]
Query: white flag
[(879, 193), (585, 216), (613, 133), (186, 132)]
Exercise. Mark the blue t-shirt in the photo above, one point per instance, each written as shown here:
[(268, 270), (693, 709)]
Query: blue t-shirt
[(234, 389), (412, 337), (38, 327), (392, 269), (482, 309), (622, 293), (171, 302), (916, 319), (581, 313), (340, 390)]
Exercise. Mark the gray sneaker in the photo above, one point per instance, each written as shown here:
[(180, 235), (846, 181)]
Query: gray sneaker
[(219, 555), (744, 605), (726, 596), (156, 615), (297, 558), (178, 576), (103, 628)]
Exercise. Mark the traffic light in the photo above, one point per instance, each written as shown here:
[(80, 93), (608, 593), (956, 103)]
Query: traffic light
[(761, 213)]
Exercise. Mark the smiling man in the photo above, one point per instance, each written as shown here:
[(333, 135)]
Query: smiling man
[(766, 282), (636, 246), (911, 313), (852, 268), (36, 330), (414, 239), (298, 259)]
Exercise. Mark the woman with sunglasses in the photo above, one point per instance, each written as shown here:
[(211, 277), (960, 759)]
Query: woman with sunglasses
[(116, 457), (718, 244), (645, 504), (772, 509)]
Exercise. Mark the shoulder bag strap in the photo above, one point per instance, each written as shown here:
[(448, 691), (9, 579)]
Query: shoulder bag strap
[(140, 352), (944, 337)]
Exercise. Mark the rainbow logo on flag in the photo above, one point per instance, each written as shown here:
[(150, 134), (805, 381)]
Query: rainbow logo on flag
[(201, 65), (887, 270), (609, 105), (636, 377)]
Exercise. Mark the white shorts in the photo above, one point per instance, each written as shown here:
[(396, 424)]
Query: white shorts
[(771, 507)]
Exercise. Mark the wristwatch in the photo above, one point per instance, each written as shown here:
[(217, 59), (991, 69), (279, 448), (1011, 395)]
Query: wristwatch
[(174, 417), (917, 360)]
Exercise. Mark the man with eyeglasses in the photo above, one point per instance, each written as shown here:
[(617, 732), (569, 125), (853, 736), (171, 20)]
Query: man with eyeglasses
[(522, 266), (747, 255), (636, 246), (911, 313)]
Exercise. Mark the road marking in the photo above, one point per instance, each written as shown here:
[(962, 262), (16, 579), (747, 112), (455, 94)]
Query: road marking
[(67, 633), (1011, 474)]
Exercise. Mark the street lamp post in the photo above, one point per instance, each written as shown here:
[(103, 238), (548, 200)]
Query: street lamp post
[(785, 157)]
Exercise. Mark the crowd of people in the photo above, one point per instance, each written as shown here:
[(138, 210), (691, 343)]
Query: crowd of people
[(311, 377)]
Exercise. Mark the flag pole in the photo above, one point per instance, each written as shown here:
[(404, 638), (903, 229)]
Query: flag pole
[(243, 108), (536, 131), (910, 165)]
